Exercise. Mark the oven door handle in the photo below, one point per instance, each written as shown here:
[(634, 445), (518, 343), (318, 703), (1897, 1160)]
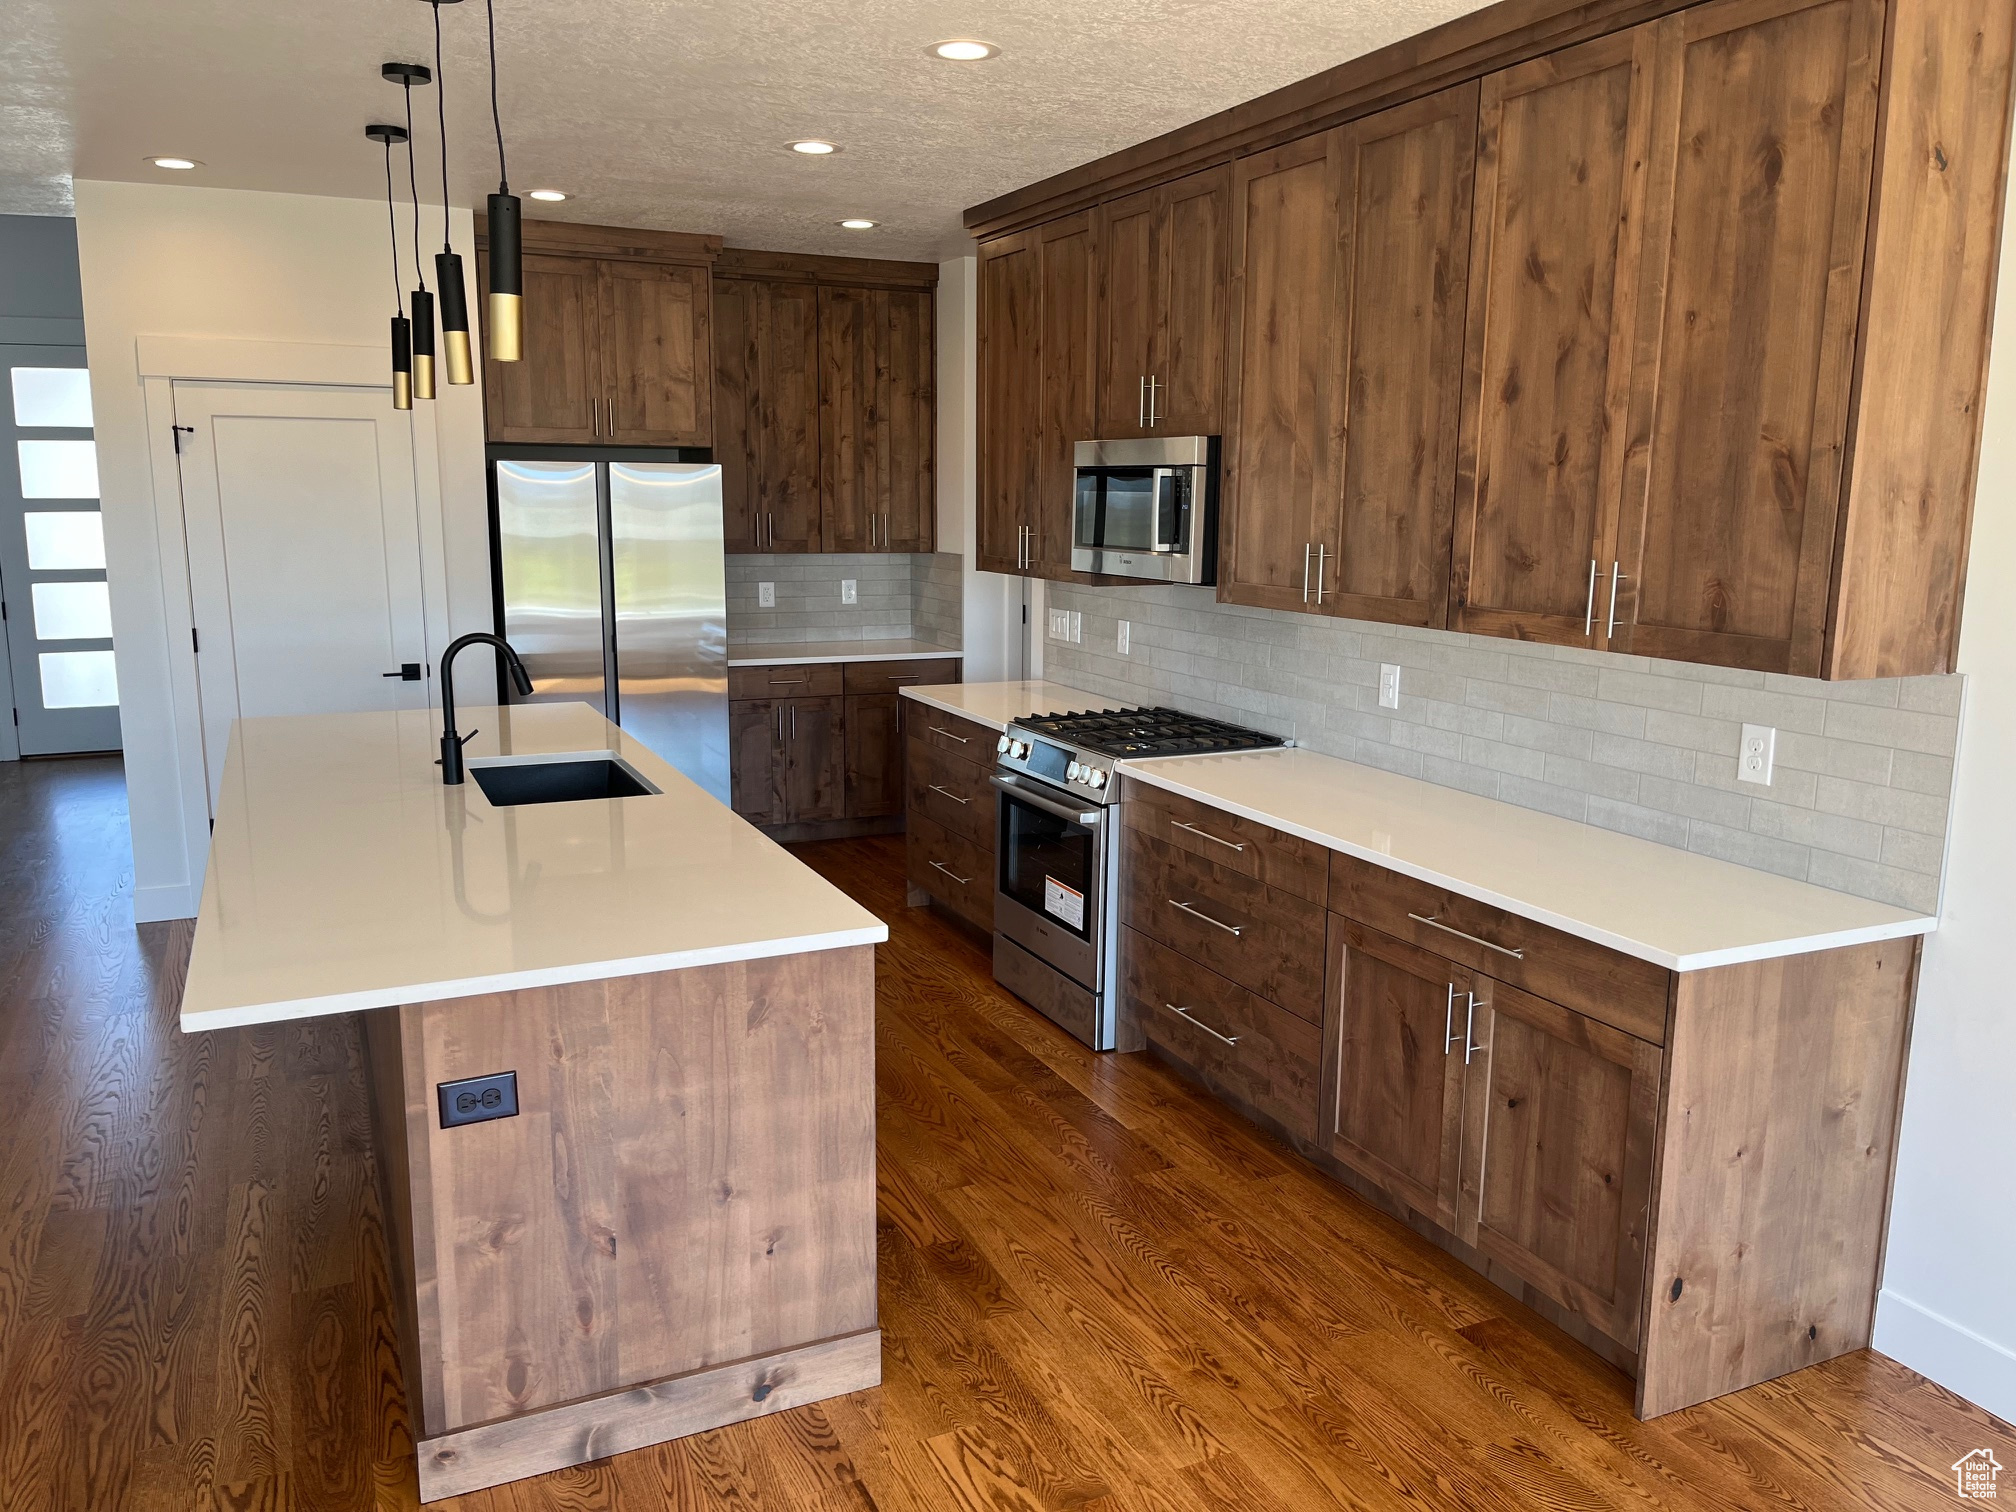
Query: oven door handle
[(1022, 794)]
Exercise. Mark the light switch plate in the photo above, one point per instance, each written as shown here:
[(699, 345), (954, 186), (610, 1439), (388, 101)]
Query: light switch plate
[(1126, 636), (766, 595), (1060, 624), (848, 594), (1389, 686), (1760, 748), (1077, 627)]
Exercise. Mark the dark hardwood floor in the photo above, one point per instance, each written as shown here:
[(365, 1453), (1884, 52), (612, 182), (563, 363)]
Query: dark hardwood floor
[(1100, 1290)]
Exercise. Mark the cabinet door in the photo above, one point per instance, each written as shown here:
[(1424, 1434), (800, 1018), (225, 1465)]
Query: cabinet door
[(756, 757), (737, 395), (1557, 1155), (656, 355), (547, 395), (1397, 1015), (1193, 255), (852, 466), (1406, 182), (787, 418), (1130, 298), (1010, 377), (1553, 271), (1280, 455), (1758, 200), (874, 755), (1069, 286), (815, 767), (909, 407)]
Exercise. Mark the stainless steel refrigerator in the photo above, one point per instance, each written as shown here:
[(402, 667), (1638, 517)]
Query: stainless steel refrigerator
[(610, 583)]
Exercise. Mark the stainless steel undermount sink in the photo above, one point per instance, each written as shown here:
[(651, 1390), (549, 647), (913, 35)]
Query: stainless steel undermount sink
[(572, 778)]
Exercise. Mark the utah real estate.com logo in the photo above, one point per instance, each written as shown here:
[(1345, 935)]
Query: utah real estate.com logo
[(1974, 1475)]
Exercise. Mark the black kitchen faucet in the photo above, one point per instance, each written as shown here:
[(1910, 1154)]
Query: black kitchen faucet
[(451, 743)]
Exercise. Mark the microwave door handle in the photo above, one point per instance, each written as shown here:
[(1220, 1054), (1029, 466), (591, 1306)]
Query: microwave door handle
[(1165, 484)]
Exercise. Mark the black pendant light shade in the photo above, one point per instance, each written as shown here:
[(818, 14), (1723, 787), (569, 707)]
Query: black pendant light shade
[(454, 317), (504, 332), (402, 363), (402, 328)]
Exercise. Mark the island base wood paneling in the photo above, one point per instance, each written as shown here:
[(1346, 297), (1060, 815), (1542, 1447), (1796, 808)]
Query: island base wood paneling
[(678, 1223)]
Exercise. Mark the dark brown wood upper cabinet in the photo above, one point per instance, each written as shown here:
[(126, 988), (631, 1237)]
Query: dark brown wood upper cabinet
[(909, 421), (877, 420), (553, 394), (1352, 250), (1164, 299), (1553, 275), (1010, 381), (767, 413), (656, 357), (1068, 277), (1762, 146)]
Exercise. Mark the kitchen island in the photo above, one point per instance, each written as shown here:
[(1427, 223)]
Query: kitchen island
[(648, 1031)]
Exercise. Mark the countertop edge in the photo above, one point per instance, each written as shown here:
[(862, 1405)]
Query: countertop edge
[(811, 658), (512, 981), (1694, 961)]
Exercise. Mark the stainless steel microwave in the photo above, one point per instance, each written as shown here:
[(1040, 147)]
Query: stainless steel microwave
[(1147, 509)]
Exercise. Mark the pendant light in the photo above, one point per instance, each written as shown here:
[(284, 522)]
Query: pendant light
[(406, 76), (504, 336), (402, 328), (447, 264)]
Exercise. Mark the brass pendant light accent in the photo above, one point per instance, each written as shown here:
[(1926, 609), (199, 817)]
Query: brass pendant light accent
[(406, 76), (505, 332), (402, 328), (447, 264)]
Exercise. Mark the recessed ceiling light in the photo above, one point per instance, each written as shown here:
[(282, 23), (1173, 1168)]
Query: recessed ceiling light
[(178, 163), (857, 224), (964, 50), (813, 147), (551, 196)]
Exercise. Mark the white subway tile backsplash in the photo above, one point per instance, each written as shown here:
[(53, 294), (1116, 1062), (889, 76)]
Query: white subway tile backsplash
[(1858, 800)]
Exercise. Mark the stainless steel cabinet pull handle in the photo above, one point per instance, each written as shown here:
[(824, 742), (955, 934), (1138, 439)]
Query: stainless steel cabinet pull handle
[(1616, 577), (785, 682), (1185, 1013), (941, 730), (962, 881), (1589, 606), (1470, 1045), (1154, 415), (1307, 548), (1205, 835), (1230, 929), (962, 802), (1449, 1019), (1141, 403), (794, 721), (1433, 923), (1322, 555)]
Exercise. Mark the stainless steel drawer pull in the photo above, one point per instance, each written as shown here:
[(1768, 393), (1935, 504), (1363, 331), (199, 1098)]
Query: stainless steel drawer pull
[(1231, 929), (941, 730), (962, 881), (1433, 923), (1206, 835), (962, 802), (785, 682), (1186, 1014)]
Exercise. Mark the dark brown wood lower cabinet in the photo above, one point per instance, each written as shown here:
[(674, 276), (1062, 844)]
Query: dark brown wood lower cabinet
[(789, 758), (953, 869), (874, 755), (1560, 1118), (756, 775)]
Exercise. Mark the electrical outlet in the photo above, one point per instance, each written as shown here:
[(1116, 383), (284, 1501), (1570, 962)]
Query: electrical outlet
[(1126, 635), (1760, 748), (1389, 686), (848, 595), (476, 1098), (766, 595)]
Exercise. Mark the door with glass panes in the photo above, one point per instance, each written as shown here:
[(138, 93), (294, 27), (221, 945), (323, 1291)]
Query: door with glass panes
[(58, 621)]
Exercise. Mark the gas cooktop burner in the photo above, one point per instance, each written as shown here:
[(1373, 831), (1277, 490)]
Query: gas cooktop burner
[(1147, 732)]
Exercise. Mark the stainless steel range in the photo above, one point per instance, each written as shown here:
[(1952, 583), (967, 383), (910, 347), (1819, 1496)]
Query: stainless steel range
[(1057, 850)]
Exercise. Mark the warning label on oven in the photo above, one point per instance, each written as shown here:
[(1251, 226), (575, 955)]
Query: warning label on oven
[(1067, 903)]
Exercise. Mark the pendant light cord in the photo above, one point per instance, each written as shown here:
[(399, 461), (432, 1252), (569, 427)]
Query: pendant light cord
[(441, 103), (413, 182), (392, 222), (496, 118)]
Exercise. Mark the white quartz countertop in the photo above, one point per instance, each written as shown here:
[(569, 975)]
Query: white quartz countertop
[(800, 654), (343, 875), (1676, 909), (997, 704)]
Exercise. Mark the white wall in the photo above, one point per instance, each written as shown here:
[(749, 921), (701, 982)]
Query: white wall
[(161, 260), (1948, 1307), (992, 630)]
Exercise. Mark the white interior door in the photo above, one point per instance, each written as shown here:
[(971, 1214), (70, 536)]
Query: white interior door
[(304, 554)]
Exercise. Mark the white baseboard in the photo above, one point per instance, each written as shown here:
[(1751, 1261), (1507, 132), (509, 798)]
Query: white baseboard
[(153, 905), (1956, 1357)]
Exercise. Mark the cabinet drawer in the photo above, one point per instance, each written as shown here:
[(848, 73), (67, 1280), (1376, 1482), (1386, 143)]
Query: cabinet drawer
[(819, 680), (888, 676), (1267, 855), (1619, 990), (953, 734), (951, 793), (1241, 1044), (953, 870), (1263, 939)]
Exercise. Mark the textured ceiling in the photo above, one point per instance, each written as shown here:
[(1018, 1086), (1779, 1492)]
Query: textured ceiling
[(665, 113)]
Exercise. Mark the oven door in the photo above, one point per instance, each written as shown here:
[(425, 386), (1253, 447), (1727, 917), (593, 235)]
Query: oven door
[(1051, 876)]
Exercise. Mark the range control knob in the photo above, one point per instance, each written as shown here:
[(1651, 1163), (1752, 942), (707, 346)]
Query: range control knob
[(1074, 771), (1001, 746), (1096, 777), (1018, 749)]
